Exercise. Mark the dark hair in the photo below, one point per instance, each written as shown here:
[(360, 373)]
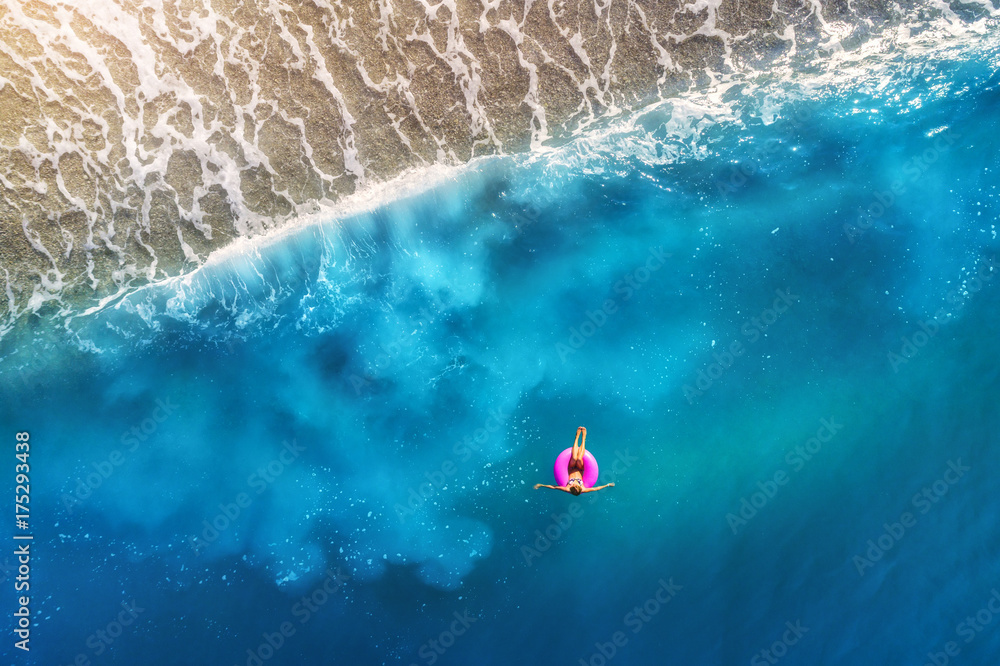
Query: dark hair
[(575, 488)]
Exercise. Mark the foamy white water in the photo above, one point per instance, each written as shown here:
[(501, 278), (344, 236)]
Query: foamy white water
[(138, 138)]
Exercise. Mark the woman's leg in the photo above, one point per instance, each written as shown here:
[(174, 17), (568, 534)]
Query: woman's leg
[(578, 451)]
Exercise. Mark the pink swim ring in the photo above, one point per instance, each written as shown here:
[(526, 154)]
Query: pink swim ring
[(561, 468)]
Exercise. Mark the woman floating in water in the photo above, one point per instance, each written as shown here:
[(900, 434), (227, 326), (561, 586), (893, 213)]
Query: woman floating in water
[(577, 466)]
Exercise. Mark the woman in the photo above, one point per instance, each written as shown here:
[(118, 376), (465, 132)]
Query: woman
[(575, 483)]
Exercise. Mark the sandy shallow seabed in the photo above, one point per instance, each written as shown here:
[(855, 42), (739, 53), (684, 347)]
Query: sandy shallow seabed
[(137, 137)]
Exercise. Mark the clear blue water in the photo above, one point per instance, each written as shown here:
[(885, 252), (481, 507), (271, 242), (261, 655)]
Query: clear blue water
[(771, 377)]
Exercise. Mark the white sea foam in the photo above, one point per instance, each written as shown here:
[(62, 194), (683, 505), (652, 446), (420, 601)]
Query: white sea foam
[(681, 122)]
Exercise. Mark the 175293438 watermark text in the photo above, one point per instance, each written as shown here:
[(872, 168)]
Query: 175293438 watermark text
[(22, 541)]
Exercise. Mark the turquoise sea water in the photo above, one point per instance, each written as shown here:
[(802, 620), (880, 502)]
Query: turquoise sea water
[(780, 333)]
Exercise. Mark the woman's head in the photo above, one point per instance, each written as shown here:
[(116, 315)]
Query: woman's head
[(576, 488)]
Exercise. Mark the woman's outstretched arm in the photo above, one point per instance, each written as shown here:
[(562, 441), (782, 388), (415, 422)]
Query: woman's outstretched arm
[(606, 485), (543, 485)]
